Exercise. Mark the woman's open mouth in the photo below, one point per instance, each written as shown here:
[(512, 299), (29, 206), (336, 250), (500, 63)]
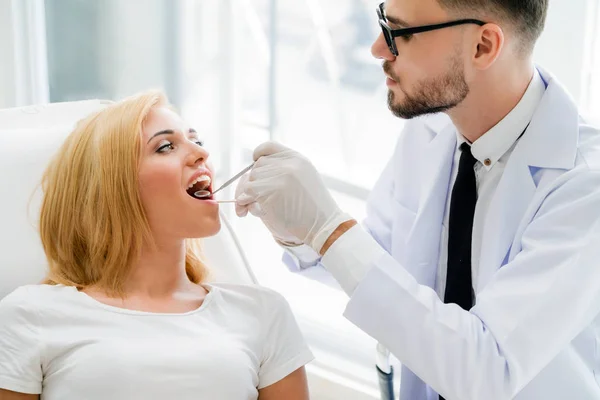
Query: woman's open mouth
[(201, 188)]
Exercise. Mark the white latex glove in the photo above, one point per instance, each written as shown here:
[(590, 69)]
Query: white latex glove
[(285, 190)]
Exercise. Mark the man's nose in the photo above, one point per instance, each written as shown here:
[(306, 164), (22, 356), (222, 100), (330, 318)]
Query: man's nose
[(380, 49)]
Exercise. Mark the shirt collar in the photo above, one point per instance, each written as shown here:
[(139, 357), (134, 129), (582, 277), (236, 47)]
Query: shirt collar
[(490, 147)]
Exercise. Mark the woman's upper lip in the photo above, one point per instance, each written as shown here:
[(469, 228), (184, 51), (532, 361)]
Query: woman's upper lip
[(199, 173)]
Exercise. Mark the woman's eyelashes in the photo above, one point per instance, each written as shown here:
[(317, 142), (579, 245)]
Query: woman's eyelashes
[(165, 146)]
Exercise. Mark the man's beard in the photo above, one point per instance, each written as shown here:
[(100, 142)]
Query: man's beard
[(433, 95)]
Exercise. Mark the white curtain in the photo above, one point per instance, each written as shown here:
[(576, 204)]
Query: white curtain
[(23, 70)]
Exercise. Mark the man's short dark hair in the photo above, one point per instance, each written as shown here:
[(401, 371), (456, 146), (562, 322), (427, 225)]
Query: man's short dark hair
[(527, 17)]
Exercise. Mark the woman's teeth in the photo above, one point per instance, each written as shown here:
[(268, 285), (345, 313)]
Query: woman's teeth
[(205, 179), (200, 187)]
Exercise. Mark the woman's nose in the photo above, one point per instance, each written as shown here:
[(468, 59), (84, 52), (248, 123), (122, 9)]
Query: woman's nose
[(198, 154), (380, 49)]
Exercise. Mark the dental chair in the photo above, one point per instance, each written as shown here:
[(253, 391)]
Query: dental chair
[(29, 137)]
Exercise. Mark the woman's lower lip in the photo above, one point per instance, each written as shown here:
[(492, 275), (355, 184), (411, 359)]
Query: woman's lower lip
[(210, 199)]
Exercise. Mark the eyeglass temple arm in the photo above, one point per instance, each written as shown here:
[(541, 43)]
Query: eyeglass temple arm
[(419, 29)]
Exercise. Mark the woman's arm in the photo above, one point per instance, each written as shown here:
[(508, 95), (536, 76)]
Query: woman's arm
[(8, 395), (292, 387)]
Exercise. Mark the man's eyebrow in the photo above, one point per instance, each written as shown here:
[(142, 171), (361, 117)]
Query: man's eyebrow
[(397, 21), (168, 132)]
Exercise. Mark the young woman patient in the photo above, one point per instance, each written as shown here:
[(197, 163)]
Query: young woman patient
[(126, 312)]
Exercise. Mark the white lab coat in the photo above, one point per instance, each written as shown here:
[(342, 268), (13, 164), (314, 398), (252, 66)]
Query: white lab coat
[(534, 332)]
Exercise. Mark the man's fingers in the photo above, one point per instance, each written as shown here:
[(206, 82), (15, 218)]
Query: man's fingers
[(256, 210), (242, 199), (268, 149), (253, 208), (245, 199), (241, 185), (240, 210), (247, 204)]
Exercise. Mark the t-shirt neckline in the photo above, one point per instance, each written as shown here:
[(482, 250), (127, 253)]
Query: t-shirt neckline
[(212, 292)]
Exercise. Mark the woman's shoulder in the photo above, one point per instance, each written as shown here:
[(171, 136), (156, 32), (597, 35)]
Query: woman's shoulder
[(250, 295), (32, 297)]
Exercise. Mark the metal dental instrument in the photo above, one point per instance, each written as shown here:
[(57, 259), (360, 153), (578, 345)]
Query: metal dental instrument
[(236, 177), (202, 194)]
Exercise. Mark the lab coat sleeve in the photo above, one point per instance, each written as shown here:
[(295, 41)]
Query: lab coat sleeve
[(304, 261), (534, 306)]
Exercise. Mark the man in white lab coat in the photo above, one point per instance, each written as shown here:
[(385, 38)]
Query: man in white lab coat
[(478, 264)]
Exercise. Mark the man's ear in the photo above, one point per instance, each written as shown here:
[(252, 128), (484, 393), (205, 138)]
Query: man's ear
[(488, 46)]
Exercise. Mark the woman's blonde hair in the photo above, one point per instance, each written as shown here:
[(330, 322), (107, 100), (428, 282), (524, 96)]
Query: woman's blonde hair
[(92, 223)]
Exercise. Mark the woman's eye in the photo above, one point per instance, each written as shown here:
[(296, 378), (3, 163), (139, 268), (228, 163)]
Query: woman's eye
[(165, 147), (199, 142), (406, 38)]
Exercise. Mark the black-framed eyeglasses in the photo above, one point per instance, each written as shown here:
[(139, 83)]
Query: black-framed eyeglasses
[(391, 34)]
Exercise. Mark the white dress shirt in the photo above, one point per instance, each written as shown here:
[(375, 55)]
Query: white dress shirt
[(492, 151)]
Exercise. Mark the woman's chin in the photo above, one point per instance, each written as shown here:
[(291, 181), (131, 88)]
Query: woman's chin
[(207, 228)]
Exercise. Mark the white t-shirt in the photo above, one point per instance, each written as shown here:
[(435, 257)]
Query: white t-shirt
[(64, 344)]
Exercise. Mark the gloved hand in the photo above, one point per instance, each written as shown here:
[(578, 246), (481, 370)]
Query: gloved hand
[(285, 190)]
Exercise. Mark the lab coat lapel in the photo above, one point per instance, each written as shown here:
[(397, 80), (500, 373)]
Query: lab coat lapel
[(512, 197), (424, 239), (549, 142)]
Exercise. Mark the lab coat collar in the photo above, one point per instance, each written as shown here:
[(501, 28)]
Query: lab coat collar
[(552, 137), (552, 132), (437, 122)]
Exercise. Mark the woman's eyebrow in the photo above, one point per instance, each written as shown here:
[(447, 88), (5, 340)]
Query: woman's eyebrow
[(168, 132), (164, 132)]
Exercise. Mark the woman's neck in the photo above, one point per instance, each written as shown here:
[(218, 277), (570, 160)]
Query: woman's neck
[(159, 271)]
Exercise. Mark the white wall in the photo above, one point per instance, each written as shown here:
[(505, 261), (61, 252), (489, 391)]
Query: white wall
[(561, 49)]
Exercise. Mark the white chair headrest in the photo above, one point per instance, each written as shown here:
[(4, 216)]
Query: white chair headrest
[(29, 138)]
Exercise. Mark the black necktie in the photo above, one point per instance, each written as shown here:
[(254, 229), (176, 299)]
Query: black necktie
[(459, 288)]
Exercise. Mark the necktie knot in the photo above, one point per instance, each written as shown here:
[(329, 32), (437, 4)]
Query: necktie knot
[(466, 156)]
